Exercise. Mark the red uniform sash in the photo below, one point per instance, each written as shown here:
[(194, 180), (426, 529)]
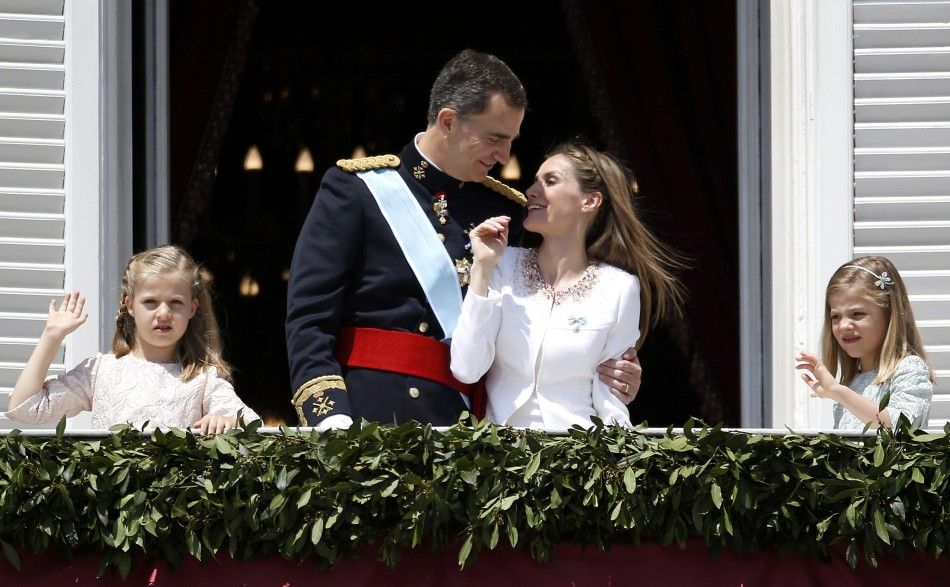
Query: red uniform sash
[(408, 354)]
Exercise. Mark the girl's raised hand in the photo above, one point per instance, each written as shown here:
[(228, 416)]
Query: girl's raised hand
[(816, 375), (490, 238), (68, 317)]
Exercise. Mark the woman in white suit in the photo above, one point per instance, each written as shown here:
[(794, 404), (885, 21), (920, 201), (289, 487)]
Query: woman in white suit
[(539, 321)]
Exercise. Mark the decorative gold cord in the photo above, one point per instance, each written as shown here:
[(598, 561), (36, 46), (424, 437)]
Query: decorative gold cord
[(509, 192), (368, 163)]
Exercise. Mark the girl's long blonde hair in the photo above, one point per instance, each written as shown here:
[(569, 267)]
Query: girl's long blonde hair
[(902, 338), (200, 347), (616, 234)]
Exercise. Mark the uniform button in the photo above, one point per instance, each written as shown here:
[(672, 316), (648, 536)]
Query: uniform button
[(423, 327), (413, 392), (441, 237)]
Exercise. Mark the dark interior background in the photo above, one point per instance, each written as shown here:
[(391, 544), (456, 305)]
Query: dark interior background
[(652, 81)]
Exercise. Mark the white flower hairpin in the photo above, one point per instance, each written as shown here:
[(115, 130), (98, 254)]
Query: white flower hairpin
[(882, 281)]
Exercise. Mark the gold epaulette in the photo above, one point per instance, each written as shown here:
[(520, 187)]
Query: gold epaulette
[(509, 192), (367, 163)]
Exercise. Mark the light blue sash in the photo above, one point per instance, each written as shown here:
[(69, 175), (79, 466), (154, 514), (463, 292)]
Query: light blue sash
[(419, 243)]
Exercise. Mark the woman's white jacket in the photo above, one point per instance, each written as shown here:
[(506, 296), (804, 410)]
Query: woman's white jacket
[(530, 339)]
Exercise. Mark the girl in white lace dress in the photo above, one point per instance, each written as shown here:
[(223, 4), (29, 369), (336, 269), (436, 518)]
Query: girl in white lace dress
[(539, 321), (165, 368), (870, 334)]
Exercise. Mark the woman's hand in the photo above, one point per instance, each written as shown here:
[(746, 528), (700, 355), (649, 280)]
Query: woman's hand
[(214, 424), (816, 376), (68, 317), (489, 240)]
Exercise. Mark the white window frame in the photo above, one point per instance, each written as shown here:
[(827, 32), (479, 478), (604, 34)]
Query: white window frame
[(98, 207), (812, 175)]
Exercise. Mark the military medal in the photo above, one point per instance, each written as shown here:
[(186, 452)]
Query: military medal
[(441, 207), (419, 171), (464, 268)]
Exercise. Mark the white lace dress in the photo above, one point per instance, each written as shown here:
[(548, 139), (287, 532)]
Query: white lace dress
[(129, 389)]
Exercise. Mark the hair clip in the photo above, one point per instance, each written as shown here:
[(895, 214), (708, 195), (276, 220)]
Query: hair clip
[(882, 280)]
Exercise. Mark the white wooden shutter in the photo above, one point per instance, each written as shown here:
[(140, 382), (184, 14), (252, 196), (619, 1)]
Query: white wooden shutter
[(902, 160), (32, 146)]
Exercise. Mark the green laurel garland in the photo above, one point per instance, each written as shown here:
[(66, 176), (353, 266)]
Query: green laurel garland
[(322, 496)]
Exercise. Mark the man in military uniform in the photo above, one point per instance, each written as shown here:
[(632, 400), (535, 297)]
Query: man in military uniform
[(382, 259)]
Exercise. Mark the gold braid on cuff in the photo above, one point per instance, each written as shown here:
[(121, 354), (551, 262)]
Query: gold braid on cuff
[(314, 389)]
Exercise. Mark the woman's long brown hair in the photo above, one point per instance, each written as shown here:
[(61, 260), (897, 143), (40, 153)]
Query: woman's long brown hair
[(617, 236)]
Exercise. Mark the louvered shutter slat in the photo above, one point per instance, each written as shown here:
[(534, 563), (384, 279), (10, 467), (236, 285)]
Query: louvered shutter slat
[(933, 282), (24, 275), (32, 75), (909, 109), (902, 208), (32, 201), (32, 127), (940, 358), (31, 27), (32, 151), (906, 60), (27, 301), (884, 135), (890, 85), (44, 7), (32, 102), (896, 158), (900, 12), (17, 350), (31, 251), (30, 226), (899, 233), (900, 183), (23, 175), (45, 53), (900, 35), (932, 306)]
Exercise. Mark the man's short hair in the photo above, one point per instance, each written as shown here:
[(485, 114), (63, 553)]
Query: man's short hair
[(469, 80)]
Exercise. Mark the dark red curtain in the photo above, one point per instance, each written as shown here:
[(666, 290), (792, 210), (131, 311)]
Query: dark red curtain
[(668, 76), (199, 40)]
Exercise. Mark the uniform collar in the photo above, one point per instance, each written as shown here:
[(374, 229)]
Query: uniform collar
[(425, 172)]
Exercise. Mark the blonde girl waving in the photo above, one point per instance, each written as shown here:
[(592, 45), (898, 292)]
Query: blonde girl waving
[(165, 368), (870, 335)]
